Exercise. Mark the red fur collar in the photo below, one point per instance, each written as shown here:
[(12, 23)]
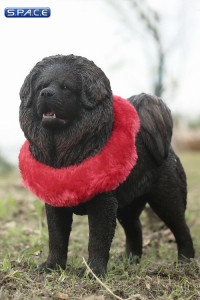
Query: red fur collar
[(101, 173)]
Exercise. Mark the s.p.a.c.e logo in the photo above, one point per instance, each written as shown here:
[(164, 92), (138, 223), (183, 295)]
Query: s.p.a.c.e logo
[(27, 12)]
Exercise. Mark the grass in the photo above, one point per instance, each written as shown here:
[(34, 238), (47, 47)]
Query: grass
[(24, 240)]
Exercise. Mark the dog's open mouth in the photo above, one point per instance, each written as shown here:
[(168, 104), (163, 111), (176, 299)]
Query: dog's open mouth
[(49, 115), (51, 121)]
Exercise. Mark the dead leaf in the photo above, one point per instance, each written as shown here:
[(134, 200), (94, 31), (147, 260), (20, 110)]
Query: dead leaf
[(63, 296), (148, 286), (10, 225), (146, 242), (93, 297), (148, 277)]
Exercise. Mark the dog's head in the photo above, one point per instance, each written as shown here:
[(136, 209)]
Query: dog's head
[(60, 90)]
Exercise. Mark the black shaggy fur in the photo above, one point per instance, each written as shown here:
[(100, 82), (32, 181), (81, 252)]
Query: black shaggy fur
[(80, 95)]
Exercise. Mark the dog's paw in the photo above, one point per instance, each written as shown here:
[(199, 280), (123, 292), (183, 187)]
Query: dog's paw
[(99, 272), (44, 268), (47, 267), (182, 260)]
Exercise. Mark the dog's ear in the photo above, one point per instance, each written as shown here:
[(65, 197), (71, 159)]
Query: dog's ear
[(26, 91), (94, 89)]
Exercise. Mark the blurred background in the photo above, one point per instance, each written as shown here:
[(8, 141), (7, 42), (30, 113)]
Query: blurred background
[(147, 46)]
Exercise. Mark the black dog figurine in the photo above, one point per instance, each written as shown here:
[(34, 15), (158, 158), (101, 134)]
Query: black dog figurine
[(69, 119)]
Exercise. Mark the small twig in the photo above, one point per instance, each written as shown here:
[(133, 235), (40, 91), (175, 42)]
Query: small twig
[(11, 275), (136, 296)]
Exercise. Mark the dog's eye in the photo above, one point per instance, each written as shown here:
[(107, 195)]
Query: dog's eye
[(41, 87), (65, 88)]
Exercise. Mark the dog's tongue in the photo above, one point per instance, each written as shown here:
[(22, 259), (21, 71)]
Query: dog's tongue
[(49, 113)]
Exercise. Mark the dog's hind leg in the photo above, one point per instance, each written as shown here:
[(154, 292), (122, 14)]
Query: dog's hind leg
[(172, 212), (59, 221), (128, 217)]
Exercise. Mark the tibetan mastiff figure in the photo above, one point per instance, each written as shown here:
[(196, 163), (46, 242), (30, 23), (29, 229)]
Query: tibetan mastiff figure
[(89, 152)]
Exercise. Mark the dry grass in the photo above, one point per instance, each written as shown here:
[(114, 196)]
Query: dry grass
[(23, 245)]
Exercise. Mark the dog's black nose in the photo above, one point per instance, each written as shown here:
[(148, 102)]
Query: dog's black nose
[(46, 92)]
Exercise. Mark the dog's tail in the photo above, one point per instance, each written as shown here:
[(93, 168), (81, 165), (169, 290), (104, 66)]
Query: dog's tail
[(156, 124)]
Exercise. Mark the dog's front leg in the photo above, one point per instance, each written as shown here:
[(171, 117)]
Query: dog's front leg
[(59, 221), (102, 211)]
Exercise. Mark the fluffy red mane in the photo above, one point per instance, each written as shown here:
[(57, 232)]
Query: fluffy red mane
[(101, 173)]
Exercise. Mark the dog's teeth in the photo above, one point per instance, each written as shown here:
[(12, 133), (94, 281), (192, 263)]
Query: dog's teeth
[(49, 117)]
